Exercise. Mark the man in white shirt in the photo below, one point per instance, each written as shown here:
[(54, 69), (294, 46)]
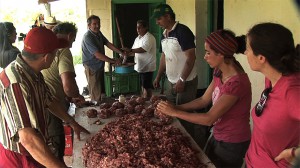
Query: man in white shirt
[(144, 50)]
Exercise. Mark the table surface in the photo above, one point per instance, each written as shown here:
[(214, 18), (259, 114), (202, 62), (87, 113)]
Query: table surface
[(88, 123)]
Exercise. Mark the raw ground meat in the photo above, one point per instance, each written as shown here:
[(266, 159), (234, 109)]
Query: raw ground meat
[(137, 141)]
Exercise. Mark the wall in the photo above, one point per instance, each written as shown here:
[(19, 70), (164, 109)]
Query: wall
[(185, 12), (196, 20), (102, 9), (241, 15)]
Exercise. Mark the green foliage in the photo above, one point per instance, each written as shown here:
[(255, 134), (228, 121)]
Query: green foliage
[(77, 60)]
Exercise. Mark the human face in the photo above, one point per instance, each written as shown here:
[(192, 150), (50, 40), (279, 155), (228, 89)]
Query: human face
[(251, 57), (13, 36), (211, 57), (95, 25), (162, 21), (141, 30)]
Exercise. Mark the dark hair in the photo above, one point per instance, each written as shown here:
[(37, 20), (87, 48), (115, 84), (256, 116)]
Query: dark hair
[(6, 30), (31, 56), (172, 15), (143, 23), (65, 28), (92, 17), (276, 43)]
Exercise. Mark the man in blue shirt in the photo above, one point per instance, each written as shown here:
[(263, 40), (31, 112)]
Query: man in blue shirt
[(94, 58)]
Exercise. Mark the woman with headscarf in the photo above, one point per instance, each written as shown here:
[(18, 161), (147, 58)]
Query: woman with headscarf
[(230, 96), (8, 35)]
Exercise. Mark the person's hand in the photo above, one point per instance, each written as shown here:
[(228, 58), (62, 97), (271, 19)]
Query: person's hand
[(126, 49), (118, 62), (167, 108), (285, 154), (156, 83), (78, 101), (78, 129), (179, 86)]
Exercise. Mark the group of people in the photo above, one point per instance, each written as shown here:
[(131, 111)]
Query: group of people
[(270, 49), (36, 82)]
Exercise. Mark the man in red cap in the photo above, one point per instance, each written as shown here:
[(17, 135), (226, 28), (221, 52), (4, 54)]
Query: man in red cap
[(24, 100)]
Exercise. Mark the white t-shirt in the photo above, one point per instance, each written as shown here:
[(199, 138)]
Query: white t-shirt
[(145, 62)]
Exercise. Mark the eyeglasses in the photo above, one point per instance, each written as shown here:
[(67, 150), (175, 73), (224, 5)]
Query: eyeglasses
[(262, 102)]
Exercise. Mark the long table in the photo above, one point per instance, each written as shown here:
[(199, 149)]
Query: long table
[(89, 124)]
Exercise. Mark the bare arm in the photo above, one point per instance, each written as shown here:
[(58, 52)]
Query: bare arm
[(114, 48), (70, 88), (161, 70), (104, 58), (189, 64), (69, 84), (223, 104), (58, 111), (35, 145)]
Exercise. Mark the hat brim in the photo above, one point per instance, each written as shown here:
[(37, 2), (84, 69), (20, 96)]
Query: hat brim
[(156, 15)]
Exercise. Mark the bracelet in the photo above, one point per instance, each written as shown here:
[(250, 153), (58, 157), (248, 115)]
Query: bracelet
[(182, 80), (293, 152)]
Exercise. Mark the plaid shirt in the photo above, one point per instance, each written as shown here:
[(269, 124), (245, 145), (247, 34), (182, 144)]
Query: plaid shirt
[(24, 97)]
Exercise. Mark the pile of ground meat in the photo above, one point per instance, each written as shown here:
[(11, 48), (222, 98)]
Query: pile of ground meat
[(135, 140)]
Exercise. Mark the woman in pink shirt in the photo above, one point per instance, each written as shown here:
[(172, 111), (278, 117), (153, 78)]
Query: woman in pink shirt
[(230, 96), (276, 117)]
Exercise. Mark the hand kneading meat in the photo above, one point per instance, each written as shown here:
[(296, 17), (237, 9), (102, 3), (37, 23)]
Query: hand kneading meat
[(137, 141), (91, 113)]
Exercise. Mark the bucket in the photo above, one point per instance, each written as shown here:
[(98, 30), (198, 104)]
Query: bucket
[(127, 68)]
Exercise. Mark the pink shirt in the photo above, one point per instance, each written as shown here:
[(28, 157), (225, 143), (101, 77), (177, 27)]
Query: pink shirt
[(278, 127), (234, 125)]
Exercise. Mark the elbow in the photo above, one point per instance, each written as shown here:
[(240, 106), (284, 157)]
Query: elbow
[(207, 123), (210, 123), (208, 120), (26, 137)]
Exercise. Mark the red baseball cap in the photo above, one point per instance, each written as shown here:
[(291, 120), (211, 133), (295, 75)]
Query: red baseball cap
[(41, 40)]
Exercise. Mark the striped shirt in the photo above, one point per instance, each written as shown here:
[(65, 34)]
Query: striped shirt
[(24, 97)]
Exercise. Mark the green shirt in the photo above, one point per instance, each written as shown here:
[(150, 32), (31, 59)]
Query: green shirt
[(62, 63)]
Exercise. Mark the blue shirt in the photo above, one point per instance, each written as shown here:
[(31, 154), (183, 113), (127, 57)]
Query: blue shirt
[(92, 43)]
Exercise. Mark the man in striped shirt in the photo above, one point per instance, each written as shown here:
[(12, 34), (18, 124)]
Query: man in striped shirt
[(24, 99)]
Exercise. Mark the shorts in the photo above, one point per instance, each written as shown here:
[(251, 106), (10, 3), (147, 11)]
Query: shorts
[(146, 80), (15, 160)]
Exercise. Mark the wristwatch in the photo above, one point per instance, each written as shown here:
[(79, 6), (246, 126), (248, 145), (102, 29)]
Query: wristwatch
[(182, 80)]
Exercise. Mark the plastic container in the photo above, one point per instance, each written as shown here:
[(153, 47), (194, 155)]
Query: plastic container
[(124, 69), (116, 84), (122, 99)]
